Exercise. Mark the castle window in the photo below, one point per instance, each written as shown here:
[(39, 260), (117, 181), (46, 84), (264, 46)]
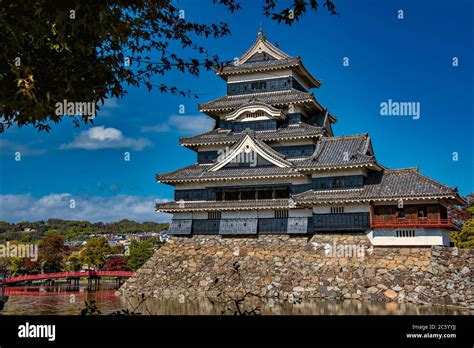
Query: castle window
[(265, 194), (282, 193), (281, 214), (247, 194), (337, 210), (422, 212), (214, 215), (231, 195), (336, 183), (400, 213), (405, 233), (258, 85)]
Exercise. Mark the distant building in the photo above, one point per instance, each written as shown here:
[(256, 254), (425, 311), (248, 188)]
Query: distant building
[(272, 165)]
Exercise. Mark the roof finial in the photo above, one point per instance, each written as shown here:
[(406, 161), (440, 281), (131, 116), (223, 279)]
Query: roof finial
[(260, 31)]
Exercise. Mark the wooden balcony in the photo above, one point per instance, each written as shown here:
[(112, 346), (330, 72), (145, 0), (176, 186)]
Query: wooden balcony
[(418, 222)]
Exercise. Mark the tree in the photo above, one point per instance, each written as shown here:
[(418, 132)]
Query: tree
[(115, 263), (139, 253), (89, 50), (31, 266), (52, 253), (74, 262), (95, 252), (465, 237), (15, 266)]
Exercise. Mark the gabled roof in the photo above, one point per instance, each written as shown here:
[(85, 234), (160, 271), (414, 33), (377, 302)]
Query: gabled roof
[(263, 56), (331, 153), (262, 44), (341, 151), (388, 185), (277, 98), (250, 143), (223, 136)]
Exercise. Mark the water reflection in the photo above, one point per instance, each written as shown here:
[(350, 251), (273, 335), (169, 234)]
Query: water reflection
[(203, 306), (68, 300), (60, 299)]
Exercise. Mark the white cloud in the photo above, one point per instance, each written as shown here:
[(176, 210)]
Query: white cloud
[(14, 208), (105, 138), (183, 124), (9, 148)]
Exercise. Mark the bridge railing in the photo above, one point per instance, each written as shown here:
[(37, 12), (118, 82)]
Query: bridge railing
[(67, 275)]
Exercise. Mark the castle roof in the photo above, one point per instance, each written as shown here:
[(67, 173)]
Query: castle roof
[(340, 151), (388, 185), (223, 136), (264, 56), (251, 143), (172, 207), (330, 153), (276, 98), (201, 172)]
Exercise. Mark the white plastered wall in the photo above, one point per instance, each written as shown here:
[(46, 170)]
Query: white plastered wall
[(352, 208), (423, 237)]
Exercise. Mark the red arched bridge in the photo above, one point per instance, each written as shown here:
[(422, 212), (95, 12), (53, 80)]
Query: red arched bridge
[(66, 275)]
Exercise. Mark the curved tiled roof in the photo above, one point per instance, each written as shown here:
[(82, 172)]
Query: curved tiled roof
[(220, 136), (200, 172), (275, 59), (340, 151), (172, 207), (405, 183), (231, 102), (258, 65), (330, 153), (388, 185)]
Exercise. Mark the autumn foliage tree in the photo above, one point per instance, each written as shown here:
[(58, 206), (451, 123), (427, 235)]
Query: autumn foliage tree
[(91, 50), (115, 263), (52, 253)]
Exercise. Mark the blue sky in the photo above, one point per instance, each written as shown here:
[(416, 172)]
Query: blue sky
[(389, 58)]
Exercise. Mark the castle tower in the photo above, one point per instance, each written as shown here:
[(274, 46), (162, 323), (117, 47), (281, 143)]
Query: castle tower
[(272, 165)]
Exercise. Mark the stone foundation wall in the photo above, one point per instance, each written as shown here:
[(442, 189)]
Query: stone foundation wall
[(326, 266)]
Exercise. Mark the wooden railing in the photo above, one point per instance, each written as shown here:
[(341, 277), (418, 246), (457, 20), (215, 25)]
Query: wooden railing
[(82, 274), (419, 222)]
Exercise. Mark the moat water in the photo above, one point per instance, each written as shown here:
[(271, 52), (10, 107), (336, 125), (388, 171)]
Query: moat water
[(64, 300)]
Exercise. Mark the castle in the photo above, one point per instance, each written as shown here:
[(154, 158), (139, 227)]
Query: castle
[(272, 165)]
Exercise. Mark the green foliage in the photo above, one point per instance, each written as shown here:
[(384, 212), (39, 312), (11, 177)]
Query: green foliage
[(465, 237), (72, 229), (74, 262), (95, 252), (140, 252), (51, 233), (15, 265)]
